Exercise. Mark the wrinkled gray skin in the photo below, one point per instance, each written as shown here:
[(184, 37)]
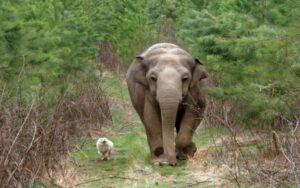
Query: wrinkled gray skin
[(165, 85)]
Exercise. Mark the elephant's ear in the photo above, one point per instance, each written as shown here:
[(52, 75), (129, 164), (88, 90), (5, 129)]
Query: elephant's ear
[(139, 71), (199, 73)]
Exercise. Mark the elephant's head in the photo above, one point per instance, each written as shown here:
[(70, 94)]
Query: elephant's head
[(169, 74)]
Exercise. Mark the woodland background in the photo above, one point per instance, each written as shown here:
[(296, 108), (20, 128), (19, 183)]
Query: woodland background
[(61, 61)]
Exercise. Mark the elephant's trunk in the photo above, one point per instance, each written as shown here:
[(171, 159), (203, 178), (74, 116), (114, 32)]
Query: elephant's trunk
[(169, 105)]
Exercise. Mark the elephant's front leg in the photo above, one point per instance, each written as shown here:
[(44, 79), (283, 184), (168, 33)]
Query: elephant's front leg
[(184, 146), (154, 132)]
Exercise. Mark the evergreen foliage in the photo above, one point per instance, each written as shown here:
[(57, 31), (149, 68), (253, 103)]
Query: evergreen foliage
[(251, 48), (44, 45)]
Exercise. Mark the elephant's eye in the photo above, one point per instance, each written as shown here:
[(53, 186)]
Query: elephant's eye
[(153, 78), (185, 78)]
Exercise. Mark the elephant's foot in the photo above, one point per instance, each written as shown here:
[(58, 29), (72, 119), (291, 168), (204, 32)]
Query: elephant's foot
[(163, 161), (186, 152), (160, 161)]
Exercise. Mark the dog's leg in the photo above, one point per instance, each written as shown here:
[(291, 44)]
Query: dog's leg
[(108, 154), (103, 156)]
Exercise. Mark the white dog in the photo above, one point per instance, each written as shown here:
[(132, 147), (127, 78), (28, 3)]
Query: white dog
[(104, 147)]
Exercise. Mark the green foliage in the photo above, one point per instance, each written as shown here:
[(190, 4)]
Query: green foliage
[(131, 156), (251, 48), (44, 45)]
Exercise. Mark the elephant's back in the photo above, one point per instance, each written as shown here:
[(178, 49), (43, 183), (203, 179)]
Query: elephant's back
[(164, 48)]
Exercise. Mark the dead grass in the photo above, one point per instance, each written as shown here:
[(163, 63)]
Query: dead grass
[(251, 159), (260, 156)]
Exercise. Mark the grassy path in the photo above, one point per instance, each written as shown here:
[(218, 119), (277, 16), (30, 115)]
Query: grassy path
[(130, 166)]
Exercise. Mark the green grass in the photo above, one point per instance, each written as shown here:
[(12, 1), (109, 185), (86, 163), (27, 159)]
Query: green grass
[(114, 88), (118, 115), (206, 137), (131, 150)]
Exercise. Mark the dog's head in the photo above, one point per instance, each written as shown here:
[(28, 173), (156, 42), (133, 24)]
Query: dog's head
[(102, 141)]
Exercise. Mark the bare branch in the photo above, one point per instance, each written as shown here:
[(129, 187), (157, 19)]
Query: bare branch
[(24, 157), (20, 129)]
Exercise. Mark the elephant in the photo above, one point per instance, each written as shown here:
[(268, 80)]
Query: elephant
[(165, 85)]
